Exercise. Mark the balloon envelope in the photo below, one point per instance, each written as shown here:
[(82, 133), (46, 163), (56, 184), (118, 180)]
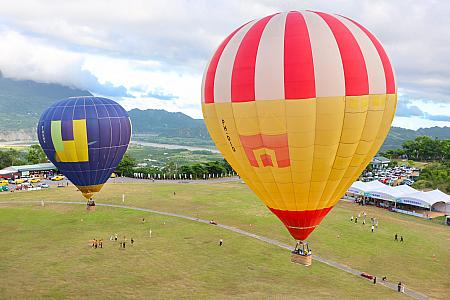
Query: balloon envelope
[(299, 103), (86, 138)]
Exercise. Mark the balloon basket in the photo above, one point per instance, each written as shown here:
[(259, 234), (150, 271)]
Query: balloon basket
[(305, 260), (90, 205), (301, 254)]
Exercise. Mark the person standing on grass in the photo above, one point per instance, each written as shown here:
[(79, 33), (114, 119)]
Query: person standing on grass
[(100, 243), (375, 280), (351, 219), (373, 228), (401, 238), (220, 242), (150, 233), (132, 241), (364, 222), (399, 286), (356, 220), (395, 237)]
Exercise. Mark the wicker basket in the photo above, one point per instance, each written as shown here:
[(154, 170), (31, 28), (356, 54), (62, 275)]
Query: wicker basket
[(305, 260)]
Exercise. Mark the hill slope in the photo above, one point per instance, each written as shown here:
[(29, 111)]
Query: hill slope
[(22, 102), (167, 124)]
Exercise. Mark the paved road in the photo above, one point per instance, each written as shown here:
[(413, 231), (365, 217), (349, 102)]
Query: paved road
[(393, 286)]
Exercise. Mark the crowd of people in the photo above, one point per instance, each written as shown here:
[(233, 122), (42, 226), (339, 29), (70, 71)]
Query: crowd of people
[(373, 221), (97, 243)]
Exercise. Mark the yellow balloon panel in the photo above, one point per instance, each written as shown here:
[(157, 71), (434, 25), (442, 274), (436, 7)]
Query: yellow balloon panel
[(300, 154)]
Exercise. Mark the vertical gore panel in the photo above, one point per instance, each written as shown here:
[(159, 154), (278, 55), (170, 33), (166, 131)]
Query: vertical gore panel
[(355, 71), (299, 79), (243, 77), (388, 71)]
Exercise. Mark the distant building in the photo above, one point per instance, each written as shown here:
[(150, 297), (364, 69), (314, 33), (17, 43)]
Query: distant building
[(28, 170), (379, 162)]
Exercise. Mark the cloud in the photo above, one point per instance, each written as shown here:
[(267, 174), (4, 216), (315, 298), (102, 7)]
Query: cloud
[(404, 109), (159, 94), (30, 58), (444, 118), (408, 108)]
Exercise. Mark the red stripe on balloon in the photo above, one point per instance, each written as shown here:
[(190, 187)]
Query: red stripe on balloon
[(299, 80), (388, 71), (301, 223), (243, 76), (355, 71), (212, 68)]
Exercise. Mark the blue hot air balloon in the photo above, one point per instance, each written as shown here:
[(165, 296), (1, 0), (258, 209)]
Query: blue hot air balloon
[(86, 138)]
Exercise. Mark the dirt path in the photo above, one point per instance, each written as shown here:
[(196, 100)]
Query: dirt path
[(393, 286)]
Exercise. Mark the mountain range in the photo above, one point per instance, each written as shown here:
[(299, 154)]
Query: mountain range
[(22, 102)]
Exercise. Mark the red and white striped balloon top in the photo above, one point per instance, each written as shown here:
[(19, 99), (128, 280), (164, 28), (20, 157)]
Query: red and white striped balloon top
[(297, 55)]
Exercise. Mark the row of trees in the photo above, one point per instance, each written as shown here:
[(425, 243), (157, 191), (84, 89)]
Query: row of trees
[(423, 148), (12, 157), (128, 166)]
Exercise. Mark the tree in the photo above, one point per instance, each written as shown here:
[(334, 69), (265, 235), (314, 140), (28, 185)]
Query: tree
[(36, 155), (170, 168), (435, 175), (10, 157), (198, 170), (126, 166), (393, 163), (185, 169)]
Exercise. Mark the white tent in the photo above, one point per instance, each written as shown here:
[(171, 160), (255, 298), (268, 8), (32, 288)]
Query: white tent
[(358, 188), (389, 193), (436, 200), (374, 185)]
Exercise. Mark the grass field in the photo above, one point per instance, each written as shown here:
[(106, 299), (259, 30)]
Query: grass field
[(421, 262)]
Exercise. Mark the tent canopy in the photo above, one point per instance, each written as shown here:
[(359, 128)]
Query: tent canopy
[(400, 194)]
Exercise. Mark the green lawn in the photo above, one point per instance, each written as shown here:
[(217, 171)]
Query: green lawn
[(46, 253), (421, 262)]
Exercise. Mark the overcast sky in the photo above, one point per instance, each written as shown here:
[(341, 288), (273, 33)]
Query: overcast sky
[(151, 54)]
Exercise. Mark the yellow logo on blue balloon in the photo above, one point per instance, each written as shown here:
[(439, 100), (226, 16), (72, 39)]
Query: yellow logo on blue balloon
[(70, 140)]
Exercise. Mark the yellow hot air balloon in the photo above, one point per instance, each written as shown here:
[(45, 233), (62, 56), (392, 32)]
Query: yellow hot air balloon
[(299, 103)]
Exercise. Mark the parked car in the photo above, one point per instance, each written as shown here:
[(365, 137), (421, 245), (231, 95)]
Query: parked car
[(18, 181), (4, 188), (34, 180), (43, 185), (3, 182), (407, 182), (57, 178)]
